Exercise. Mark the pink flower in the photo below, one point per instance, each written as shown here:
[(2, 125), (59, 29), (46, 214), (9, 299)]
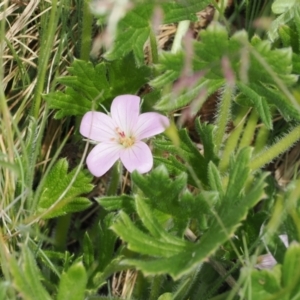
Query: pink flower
[(120, 135)]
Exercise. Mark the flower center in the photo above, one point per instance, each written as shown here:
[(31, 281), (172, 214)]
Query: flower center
[(124, 140)]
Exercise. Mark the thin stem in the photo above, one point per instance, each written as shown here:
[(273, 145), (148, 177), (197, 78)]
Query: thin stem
[(86, 33), (281, 146), (249, 131), (223, 116)]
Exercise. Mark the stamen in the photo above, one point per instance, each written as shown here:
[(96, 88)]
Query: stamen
[(123, 140)]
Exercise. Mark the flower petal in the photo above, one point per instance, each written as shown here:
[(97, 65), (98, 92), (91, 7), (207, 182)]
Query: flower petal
[(102, 157), (97, 126), (138, 157), (150, 124), (124, 111)]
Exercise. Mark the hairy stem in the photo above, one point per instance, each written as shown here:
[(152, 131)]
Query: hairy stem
[(281, 146), (233, 139), (223, 116), (261, 139), (249, 131)]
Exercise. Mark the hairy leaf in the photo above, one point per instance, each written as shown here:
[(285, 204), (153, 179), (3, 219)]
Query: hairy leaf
[(191, 160), (61, 191), (219, 231), (259, 102)]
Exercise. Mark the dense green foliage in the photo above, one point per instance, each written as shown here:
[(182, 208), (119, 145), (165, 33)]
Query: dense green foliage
[(196, 226)]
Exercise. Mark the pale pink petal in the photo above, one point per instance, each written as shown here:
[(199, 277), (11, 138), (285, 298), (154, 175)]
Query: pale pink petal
[(150, 124), (138, 157), (97, 126), (102, 158), (125, 112)]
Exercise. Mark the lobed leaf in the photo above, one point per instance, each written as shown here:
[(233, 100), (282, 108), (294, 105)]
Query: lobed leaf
[(167, 254), (133, 32), (88, 86), (183, 10), (190, 158)]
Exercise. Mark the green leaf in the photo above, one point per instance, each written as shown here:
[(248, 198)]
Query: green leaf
[(285, 107), (88, 86), (279, 7), (154, 228), (167, 200), (264, 283), (62, 190), (206, 133), (3, 290), (171, 101), (188, 258), (134, 29), (166, 296), (291, 271), (133, 32), (175, 202), (170, 65), (279, 61), (106, 240), (167, 254), (141, 242), (287, 10), (183, 10), (72, 283), (214, 45), (192, 161), (258, 102), (289, 37), (238, 174), (111, 203), (214, 178), (88, 250), (27, 277)]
